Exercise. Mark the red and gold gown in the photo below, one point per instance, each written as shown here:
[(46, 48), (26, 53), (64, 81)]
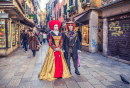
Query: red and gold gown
[(55, 65)]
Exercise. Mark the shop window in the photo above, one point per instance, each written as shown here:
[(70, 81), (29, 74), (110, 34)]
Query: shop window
[(2, 34), (9, 33), (85, 35), (17, 33), (13, 34)]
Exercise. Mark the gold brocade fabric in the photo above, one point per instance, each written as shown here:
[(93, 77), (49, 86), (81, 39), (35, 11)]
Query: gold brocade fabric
[(57, 40), (48, 69)]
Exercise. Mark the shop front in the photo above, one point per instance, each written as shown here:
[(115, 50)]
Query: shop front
[(116, 31), (87, 22), (9, 34)]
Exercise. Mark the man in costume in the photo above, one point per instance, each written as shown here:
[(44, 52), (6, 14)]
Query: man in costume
[(71, 45)]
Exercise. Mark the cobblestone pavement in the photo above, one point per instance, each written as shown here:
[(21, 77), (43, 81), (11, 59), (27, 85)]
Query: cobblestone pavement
[(20, 70)]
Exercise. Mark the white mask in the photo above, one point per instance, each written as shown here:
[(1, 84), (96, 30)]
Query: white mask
[(55, 27)]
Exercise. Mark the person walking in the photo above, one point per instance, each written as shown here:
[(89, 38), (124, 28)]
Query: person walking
[(25, 38), (40, 37), (44, 37), (33, 43)]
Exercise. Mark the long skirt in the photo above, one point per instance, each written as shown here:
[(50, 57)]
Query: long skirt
[(48, 69)]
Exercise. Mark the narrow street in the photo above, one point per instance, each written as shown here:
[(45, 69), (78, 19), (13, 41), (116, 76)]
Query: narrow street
[(20, 70)]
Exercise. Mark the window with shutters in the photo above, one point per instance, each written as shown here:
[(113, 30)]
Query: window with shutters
[(65, 8), (70, 2), (76, 4), (54, 3), (57, 15), (60, 12)]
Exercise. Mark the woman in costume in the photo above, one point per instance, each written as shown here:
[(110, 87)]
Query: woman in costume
[(55, 65)]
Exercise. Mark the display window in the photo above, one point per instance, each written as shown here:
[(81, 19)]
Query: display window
[(13, 34), (85, 35), (2, 34), (17, 33), (9, 33)]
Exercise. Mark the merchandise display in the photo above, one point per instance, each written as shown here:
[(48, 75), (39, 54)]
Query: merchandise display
[(2, 34), (9, 35), (17, 34), (13, 35)]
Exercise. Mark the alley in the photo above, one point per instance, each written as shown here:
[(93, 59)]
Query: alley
[(20, 70)]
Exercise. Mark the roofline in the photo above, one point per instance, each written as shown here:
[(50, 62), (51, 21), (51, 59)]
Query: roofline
[(110, 4)]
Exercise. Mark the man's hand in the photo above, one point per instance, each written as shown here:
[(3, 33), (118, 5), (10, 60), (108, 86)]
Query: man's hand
[(79, 51)]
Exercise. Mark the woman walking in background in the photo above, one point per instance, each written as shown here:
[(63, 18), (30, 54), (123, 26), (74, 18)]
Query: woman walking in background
[(33, 43)]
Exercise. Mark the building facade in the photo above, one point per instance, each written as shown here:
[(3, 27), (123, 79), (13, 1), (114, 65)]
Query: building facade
[(14, 17), (116, 29)]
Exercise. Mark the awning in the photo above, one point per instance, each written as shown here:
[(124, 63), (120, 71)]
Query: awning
[(82, 18), (76, 18)]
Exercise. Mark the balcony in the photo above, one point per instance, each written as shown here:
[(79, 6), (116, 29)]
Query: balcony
[(85, 3), (6, 2), (105, 2)]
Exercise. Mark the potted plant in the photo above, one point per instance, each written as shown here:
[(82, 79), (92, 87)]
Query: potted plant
[(81, 0), (68, 10), (71, 7)]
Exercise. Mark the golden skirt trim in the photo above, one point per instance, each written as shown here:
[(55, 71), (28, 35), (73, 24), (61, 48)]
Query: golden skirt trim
[(48, 68)]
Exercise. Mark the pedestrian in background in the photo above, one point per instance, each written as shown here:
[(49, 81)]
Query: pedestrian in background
[(44, 37), (40, 38), (35, 33), (80, 35), (25, 39), (33, 43)]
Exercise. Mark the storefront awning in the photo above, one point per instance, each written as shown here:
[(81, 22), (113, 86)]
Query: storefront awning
[(82, 18)]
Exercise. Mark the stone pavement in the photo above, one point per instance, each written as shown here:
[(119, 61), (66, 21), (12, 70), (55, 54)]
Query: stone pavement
[(20, 70)]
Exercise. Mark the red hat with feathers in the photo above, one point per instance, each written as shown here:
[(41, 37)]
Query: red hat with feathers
[(54, 22)]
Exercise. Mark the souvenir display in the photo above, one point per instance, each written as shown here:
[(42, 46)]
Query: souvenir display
[(2, 34), (13, 35)]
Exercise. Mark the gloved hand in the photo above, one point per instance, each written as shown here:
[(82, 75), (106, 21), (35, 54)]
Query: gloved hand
[(63, 51), (57, 49), (79, 51)]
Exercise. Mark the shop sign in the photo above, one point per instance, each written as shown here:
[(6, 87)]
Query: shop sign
[(120, 17), (3, 15)]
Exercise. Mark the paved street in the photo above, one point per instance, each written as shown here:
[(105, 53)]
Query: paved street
[(20, 70)]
